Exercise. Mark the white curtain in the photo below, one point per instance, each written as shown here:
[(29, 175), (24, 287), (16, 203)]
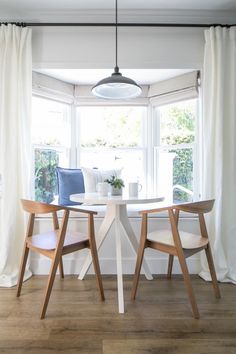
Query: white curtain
[(15, 117), (219, 147)]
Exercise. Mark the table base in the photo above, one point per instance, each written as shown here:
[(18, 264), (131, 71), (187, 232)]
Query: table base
[(116, 214)]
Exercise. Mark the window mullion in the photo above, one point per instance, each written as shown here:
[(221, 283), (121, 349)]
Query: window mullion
[(155, 124), (73, 148)]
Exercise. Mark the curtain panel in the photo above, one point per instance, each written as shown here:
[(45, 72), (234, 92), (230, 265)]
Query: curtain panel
[(15, 117), (219, 146)]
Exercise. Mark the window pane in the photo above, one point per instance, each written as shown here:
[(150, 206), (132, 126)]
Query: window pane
[(182, 175), (45, 174), (112, 137), (175, 174), (50, 123), (177, 123), (111, 126), (130, 161), (51, 138), (175, 153)]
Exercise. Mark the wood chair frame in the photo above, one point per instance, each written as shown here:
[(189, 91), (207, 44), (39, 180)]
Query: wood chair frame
[(177, 249), (76, 241)]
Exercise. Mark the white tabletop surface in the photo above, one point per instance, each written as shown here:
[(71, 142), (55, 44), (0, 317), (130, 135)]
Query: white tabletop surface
[(95, 198)]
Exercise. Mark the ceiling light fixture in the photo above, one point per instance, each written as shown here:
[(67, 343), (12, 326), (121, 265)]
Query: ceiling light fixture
[(116, 86)]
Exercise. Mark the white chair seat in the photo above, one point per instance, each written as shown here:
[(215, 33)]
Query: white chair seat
[(188, 240)]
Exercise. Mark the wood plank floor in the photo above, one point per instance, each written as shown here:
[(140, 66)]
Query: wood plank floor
[(159, 321)]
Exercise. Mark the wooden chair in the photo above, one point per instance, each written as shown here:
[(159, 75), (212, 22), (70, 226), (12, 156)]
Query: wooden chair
[(56, 243), (178, 243)]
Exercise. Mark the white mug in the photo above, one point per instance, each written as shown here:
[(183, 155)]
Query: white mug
[(134, 188), (102, 188)]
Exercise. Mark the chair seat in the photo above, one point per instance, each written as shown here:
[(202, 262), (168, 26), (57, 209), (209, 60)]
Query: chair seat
[(48, 240), (188, 240)]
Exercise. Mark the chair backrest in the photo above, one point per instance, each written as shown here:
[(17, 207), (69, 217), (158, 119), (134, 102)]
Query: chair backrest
[(38, 207), (200, 207)]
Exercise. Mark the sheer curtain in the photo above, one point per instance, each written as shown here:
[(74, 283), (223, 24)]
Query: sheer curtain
[(15, 116), (219, 147)]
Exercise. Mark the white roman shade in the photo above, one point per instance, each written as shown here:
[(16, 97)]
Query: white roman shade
[(53, 88), (180, 88), (172, 90)]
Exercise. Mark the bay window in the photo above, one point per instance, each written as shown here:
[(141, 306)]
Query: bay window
[(154, 144)]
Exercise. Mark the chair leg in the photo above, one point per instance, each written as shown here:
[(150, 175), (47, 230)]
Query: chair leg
[(188, 285), (140, 254), (94, 254), (212, 271), (61, 268), (22, 270), (97, 271), (51, 278), (137, 270), (170, 266)]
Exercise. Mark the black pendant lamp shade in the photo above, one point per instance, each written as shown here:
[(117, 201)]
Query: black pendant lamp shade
[(116, 86)]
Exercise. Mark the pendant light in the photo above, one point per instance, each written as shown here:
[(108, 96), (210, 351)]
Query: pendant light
[(116, 86)]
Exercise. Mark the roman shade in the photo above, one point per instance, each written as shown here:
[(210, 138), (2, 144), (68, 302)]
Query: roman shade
[(179, 88)]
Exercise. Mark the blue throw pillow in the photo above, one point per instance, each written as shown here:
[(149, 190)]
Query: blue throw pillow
[(70, 181)]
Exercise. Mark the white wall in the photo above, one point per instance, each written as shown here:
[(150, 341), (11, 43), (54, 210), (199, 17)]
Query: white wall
[(82, 47), (169, 48)]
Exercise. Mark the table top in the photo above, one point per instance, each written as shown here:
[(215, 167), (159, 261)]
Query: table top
[(95, 198)]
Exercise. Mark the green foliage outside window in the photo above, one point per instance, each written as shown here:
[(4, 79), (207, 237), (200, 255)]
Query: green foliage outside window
[(46, 162), (183, 173)]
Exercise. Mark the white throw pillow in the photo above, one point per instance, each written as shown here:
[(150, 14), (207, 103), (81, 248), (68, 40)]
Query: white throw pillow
[(93, 176)]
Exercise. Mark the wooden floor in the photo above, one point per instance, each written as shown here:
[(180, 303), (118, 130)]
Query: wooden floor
[(159, 321)]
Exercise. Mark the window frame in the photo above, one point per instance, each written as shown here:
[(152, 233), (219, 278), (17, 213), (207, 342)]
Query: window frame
[(150, 138), (194, 145), (144, 138), (58, 148)]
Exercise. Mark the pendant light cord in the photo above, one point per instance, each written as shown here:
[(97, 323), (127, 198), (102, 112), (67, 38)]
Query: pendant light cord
[(116, 67)]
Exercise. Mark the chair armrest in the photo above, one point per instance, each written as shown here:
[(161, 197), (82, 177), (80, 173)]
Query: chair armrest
[(201, 206), (158, 210), (85, 211)]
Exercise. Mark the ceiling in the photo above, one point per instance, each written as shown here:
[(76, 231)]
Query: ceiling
[(128, 10), (123, 4), (92, 76)]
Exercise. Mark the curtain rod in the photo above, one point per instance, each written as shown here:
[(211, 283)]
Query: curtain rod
[(99, 24)]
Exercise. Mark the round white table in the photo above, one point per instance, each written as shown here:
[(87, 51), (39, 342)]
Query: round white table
[(116, 212)]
